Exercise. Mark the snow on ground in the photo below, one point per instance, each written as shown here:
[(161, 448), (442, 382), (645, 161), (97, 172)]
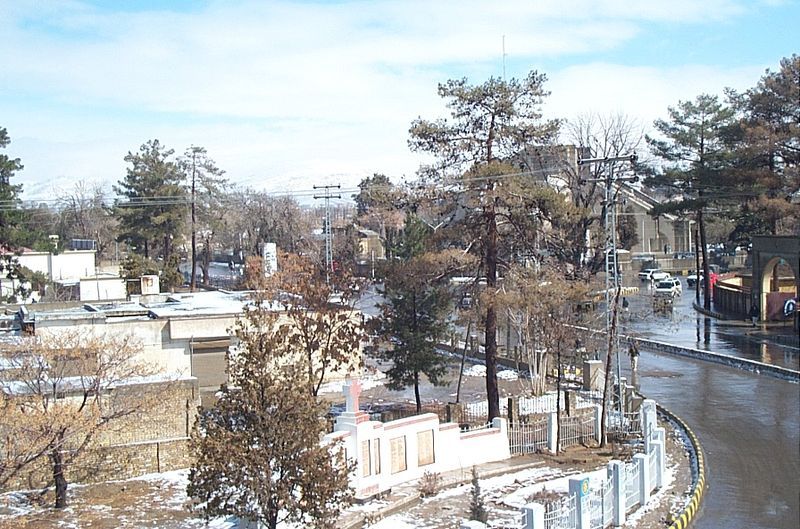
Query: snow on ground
[(368, 381), (476, 370)]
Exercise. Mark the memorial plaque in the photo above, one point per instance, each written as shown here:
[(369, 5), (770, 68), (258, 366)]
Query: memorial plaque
[(425, 452), (366, 460), (397, 447)]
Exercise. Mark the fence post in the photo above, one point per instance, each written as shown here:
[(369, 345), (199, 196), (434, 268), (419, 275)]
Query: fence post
[(647, 416), (616, 473), (580, 489), (642, 462), (534, 516), (598, 423), (658, 447), (552, 432)]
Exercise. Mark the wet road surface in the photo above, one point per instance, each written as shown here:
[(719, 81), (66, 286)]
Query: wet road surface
[(683, 326), (749, 427)]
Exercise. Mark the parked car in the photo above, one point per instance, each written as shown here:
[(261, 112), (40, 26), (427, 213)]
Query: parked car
[(655, 274), (691, 279), (670, 286)]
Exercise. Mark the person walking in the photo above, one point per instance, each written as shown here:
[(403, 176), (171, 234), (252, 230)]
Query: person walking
[(634, 353)]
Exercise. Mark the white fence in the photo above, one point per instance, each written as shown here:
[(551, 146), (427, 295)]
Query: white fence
[(606, 502)]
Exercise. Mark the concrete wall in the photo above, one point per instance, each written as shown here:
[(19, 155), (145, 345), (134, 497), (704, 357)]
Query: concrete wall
[(102, 288), (375, 448), (66, 265)]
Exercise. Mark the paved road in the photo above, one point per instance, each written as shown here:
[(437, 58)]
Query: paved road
[(683, 326), (748, 424)]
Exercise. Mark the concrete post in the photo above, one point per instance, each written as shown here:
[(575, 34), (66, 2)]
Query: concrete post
[(580, 489), (598, 423), (592, 379), (534, 516), (513, 410), (657, 446), (647, 416), (552, 432), (616, 473), (642, 463)]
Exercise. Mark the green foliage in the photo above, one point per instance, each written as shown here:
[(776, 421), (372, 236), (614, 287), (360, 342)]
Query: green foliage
[(10, 216), (207, 186), (495, 120), (155, 208), (373, 192), (767, 153), (257, 451), (414, 317), (477, 509), (489, 124)]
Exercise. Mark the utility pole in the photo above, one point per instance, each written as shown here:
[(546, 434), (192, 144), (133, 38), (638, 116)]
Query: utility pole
[(327, 228), (613, 285)]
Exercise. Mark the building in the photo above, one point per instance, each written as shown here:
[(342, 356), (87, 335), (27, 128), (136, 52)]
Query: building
[(185, 334)]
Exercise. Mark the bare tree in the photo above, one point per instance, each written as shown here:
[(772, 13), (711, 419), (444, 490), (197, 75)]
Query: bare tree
[(61, 394)]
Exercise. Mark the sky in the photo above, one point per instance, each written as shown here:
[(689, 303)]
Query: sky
[(286, 95)]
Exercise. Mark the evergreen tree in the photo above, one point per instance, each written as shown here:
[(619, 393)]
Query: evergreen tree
[(155, 208), (206, 187), (477, 509), (416, 310), (12, 233), (257, 451), (767, 154), (490, 123), (694, 148)]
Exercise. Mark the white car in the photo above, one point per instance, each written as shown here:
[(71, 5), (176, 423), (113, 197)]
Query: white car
[(670, 286), (655, 274)]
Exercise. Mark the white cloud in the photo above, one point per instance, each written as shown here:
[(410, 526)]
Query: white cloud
[(287, 94)]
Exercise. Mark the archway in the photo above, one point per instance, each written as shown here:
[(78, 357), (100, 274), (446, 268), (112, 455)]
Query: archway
[(778, 284), (776, 275)]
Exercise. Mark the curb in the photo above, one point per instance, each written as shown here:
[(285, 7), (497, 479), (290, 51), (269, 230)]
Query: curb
[(711, 313), (737, 362), (684, 517)]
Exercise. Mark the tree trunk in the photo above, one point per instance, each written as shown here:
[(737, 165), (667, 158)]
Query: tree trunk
[(416, 392), (57, 460), (701, 225), (490, 339), (558, 398), (193, 281)]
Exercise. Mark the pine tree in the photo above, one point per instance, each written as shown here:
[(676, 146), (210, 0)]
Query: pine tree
[(491, 123), (155, 208), (416, 310), (693, 143), (477, 509)]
